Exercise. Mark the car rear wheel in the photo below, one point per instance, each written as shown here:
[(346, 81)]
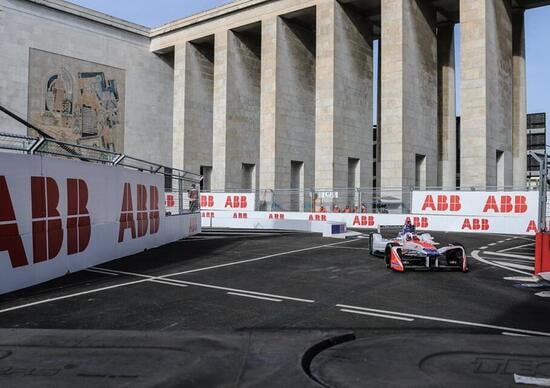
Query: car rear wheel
[(387, 255), (458, 258), (371, 249)]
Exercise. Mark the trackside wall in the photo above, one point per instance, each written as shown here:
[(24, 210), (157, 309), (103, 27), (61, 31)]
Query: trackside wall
[(59, 216)]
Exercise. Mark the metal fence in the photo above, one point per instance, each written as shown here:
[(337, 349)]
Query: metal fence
[(392, 200), (181, 187)]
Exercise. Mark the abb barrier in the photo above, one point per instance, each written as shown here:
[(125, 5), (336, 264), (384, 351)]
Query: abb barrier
[(512, 224), (59, 216)]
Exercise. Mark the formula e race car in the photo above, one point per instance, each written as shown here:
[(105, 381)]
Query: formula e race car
[(417, 251)]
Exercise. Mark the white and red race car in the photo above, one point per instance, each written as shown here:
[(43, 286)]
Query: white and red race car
[(418, 251)]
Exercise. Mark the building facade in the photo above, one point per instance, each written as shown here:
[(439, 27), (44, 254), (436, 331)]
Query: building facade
[(536, 141), (260, 94)]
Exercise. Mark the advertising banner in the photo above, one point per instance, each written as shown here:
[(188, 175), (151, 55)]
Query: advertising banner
[(228, 201), (523, 204), (59, 216)]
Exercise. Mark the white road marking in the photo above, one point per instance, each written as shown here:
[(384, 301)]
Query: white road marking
[(483, 247), (256, 259), (514, 334), (516, 247), (167, 283), (361, 249), (101, 272), (466, 323), (492, 244), (523, 279), (178, 281), (543, 294), (377, 315), (475, 255), (255, 297), (509, 255), (514, 265), (509, 239), (533, 381), (500, 242), (72, 295)]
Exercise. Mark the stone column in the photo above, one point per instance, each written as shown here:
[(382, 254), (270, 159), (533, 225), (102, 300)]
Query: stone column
[(486, 93), (178, 137), (446, 135), (343, 96), (268, 100), (519, 116), (219, 135), (409, 95), (198, 102)]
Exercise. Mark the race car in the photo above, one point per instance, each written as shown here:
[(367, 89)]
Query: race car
[(417, 251)]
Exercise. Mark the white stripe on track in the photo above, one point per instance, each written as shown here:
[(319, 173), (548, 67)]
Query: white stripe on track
[(378, 315), (100, 271), (71, 295), (516, 247), (514, 265), (466, 323), (509, 255), (475, 255), (255, 297)]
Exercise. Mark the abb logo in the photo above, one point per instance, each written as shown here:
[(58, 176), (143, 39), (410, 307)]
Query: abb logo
[(208, 215), (207, 201), (47, 225), (240, 216), (317, 217), (475, 224), (507, 204), (419, 222), (148, 219), (444, 203), (276, 216), (363, 220), (230, 201)]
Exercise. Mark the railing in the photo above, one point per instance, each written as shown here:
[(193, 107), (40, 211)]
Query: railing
[(393, 200), (181, 184)]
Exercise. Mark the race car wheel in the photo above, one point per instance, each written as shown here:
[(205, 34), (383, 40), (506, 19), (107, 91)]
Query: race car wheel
[(459, 260), (387, 255), (371, 251)]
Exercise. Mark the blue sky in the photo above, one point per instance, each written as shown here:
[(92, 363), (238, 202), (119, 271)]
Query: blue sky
[(154, 13)]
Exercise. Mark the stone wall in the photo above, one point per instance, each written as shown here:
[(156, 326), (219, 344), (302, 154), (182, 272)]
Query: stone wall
[(148, 98)]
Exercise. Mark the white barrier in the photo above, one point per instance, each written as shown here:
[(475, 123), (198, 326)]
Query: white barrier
[(59, 216), (522, 225)]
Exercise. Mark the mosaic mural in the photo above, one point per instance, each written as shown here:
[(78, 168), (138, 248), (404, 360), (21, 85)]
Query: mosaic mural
[(77, 101)]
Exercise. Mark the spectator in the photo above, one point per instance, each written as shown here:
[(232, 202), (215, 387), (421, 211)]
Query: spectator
[(347, 209), (193, 198), (322, 209)]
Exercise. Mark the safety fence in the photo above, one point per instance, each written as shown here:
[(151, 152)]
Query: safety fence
[(388, 200), (182, 188)]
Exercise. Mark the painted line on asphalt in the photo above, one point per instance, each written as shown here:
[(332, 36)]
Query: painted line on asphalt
[(255, 259), (530, 279), (514, 265), (255, 297), (475, 255), (101, 272), (543, 294), (483, 247), (465, 323), (513, 256), (178, 281), (72, 295), (378, 315), (514, 334), (516, 247), (492, 244), (361, 249), (168, 283)]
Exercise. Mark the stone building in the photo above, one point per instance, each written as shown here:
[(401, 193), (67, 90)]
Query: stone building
[(278, 94)]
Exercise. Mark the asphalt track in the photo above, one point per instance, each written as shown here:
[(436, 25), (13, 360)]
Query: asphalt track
[(307, 287)]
